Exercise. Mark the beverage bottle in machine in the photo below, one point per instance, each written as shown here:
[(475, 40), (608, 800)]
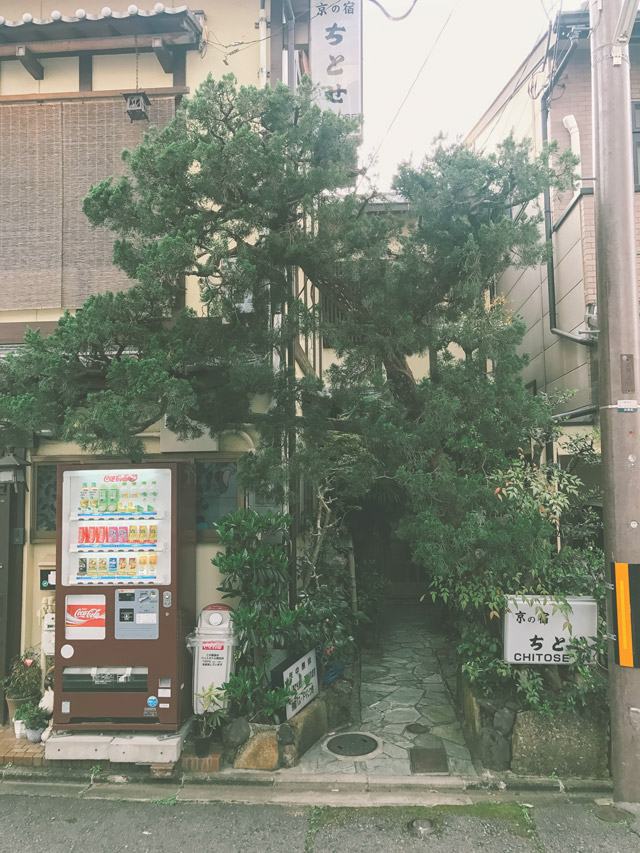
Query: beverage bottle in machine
[(114, 499), (123, 498), (93, 498), (103, 497), (152, 504), (83, 503)]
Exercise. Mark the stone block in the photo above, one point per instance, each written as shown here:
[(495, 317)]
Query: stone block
[(260, 752), (290, 755), (78, 747), (568, 745), (285, 734), (495, 751), (309, 725), (162, 770), (236, 733), (503, 721)]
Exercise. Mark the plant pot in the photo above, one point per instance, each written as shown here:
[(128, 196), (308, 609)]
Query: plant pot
[(20, 729), (202, 746), (14, 703), (35, 735)]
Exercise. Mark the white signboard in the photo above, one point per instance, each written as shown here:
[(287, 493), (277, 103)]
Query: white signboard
[(335, 37), (302, 675), (538, 630)]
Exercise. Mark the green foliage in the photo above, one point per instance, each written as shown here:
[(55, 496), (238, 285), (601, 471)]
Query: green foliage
[(254, 570), (33, 716), (25, 676), (249, 693)]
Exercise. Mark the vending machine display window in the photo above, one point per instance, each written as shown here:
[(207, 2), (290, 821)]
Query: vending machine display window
[(116, 527)]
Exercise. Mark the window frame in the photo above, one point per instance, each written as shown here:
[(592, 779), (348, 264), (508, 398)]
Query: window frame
[(635, 136)]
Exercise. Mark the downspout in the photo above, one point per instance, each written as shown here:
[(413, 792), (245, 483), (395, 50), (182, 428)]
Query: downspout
[(262, 35), (548, 226), (291, 44)]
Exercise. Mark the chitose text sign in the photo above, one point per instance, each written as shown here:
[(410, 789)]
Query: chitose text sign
[(538, 630)]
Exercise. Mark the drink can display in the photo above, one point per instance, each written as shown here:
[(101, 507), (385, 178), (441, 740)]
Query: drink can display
[(143, 534), (142, 564), (123, 535), (133, 565), (83, 535), (133, 533), (153, 563), (83, 504), (112, 536), (92, 564), (92, 535), (113, 565), (93, 498), (82, 566), (153, 533), (102, 565), (122, 565), (101, 535)]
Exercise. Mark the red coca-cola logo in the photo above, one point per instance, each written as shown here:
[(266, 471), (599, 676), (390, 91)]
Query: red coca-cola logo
[(120, 478), (211, 647), (82, 615)]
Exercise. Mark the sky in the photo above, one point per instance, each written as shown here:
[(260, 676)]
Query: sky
[(472, 56)]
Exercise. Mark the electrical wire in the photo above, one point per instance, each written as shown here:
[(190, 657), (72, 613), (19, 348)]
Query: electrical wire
[(415, 80), (246, 45), (394, 17)]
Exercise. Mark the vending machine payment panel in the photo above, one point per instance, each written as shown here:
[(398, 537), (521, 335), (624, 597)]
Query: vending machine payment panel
[(124, 596)]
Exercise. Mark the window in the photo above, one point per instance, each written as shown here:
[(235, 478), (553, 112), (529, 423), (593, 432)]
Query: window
[(44, 502), (635, 126), (216, 494)]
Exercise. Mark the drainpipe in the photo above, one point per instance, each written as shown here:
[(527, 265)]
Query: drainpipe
[(548, 227), (262, 35), (291, 44), (574, 134)]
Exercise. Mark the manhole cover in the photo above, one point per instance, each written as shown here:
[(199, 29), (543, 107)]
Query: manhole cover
[(417, 729), (352, 744)]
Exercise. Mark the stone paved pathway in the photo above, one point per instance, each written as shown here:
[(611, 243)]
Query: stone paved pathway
[(402, 683)]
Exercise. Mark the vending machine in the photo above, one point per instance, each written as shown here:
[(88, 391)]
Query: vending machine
[(125, 596)]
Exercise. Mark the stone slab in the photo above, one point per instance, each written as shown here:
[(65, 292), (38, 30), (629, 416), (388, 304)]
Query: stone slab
[(565, 744)]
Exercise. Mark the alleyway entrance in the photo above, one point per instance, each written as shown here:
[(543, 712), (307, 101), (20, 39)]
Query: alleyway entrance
[(405, 704)]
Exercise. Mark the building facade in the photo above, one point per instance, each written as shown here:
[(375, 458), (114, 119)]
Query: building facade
[(64, 81)]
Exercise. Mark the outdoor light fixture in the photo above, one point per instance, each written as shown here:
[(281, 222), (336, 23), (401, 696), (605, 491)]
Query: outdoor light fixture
[(137, 105), (12, 469)]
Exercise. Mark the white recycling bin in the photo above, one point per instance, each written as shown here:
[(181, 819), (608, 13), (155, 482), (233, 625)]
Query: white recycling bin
[(212, 644)]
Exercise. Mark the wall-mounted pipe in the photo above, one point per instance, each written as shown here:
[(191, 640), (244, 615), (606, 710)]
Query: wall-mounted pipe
[(263, 75), (574, 135), (291, 44), (548, 225)]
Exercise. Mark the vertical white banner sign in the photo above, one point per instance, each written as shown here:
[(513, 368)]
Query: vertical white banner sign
[(335, 38)]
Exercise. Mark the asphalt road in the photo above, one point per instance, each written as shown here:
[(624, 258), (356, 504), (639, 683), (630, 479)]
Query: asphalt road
[(61, 824)]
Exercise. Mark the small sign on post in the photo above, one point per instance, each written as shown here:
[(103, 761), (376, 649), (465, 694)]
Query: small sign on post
[(302, 674), (538, 630)]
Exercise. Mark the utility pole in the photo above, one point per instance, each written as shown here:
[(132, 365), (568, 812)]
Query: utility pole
[(619, 375)]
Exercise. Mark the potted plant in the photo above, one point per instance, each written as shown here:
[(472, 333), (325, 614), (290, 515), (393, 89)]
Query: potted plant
[(35, 719), (209, 719), (18, 723), (24, 681)]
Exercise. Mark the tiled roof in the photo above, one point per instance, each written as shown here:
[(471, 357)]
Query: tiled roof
[(158, 21)]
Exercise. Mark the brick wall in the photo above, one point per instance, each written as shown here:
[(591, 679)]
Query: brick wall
[(50, 154)]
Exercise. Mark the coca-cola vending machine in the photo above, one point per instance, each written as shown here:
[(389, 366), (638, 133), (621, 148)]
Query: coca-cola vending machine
[(125, 596)]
